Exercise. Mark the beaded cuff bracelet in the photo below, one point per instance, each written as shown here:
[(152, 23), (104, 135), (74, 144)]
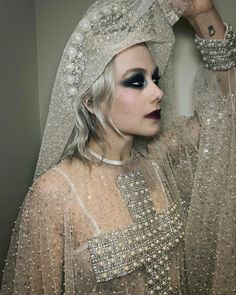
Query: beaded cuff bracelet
[(218, 55)]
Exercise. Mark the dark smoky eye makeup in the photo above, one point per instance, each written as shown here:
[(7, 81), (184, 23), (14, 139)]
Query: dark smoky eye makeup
[(137, 80), (156, 76)]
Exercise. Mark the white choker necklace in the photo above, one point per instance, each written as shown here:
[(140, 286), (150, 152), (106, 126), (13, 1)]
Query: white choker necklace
[(112, 162)]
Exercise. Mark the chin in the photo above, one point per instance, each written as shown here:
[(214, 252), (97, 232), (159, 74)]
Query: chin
[(154, 131), (150, 133), (146, 131)]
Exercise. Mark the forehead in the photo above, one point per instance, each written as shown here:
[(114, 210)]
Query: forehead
[(137, 56)]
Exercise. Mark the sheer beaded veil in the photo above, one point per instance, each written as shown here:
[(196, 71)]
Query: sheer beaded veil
[(106, 29), (119, 229)]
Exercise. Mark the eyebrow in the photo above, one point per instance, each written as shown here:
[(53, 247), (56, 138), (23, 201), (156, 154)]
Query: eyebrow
[(140, 70)]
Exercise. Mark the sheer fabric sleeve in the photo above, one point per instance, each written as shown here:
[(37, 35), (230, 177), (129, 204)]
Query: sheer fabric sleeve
[(211, 226), (35, 259), (183, 154), (176, 150)]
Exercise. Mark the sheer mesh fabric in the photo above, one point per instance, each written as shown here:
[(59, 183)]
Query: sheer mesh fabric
[(210, 232), (192, 165), (65, 207)]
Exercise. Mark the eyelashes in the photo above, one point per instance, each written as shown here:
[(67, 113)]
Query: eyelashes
[(135, 81), (156, 78), (139, 81)]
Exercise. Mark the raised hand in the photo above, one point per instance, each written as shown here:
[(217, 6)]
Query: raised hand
[(198, 7), (205, 19)]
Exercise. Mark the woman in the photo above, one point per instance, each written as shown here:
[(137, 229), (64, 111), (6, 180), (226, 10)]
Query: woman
[(108, 216)]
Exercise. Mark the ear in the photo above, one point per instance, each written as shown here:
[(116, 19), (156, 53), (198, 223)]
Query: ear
[(88, 104)]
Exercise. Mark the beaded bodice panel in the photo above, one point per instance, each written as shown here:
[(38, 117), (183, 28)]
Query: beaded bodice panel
[(142, 250), (145, 244)]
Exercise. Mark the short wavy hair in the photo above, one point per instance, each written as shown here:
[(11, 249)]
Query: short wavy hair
[(92, 125)]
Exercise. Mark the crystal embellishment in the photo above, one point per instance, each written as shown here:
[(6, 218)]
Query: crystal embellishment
[(145, 244)]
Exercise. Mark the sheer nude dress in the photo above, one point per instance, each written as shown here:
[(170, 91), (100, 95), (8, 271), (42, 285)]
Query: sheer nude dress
[(120, 229)]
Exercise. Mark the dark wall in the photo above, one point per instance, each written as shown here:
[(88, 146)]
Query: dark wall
[(19, 110)]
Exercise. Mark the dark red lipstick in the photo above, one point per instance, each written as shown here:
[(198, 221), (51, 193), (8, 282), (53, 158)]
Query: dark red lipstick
[(155, 115)]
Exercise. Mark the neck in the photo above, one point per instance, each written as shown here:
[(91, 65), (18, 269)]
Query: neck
[(118, 149)]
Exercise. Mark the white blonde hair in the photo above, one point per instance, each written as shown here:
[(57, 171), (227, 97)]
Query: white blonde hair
[(91, 125)]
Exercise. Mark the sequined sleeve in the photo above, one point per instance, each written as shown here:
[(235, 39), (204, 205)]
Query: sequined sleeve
[(35, 258), (201, 153), (177, 152), (183, 149), (210, 233)]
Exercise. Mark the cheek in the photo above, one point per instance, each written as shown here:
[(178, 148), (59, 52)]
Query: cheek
[(125, 103)]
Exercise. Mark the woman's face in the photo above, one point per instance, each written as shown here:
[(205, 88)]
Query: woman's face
[(136, 109)]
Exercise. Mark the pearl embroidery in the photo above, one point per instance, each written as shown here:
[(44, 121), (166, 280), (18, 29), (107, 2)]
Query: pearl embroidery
[(145, 244)]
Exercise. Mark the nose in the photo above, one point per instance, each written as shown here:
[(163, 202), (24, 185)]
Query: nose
[(156, 93)]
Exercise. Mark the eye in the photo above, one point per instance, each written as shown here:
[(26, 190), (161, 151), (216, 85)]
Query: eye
[(135, 81), (156, 78)]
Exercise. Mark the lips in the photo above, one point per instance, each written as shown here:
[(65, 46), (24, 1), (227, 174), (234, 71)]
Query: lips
[(156, 115)]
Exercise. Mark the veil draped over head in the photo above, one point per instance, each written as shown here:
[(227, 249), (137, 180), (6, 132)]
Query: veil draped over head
[(107, 28)]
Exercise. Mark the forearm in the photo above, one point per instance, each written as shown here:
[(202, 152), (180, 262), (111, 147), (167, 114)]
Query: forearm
[(215, 39), (208, 25)]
